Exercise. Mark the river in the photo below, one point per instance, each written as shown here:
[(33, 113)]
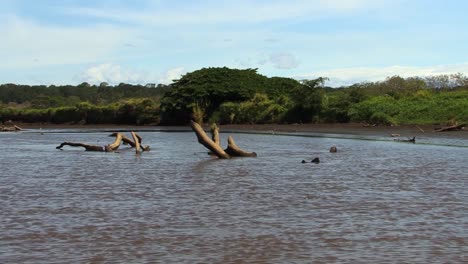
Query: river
[(374, 201)]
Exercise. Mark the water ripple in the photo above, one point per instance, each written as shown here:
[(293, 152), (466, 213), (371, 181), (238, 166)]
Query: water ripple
[(373, 201)]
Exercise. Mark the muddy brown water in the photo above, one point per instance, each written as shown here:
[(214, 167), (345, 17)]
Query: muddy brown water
[(374, 201)]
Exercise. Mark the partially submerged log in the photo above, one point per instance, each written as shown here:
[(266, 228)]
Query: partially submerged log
[(119, 138), (137, 143), (208, 142), (451, 128), (86, 146), (11, 129), (233, 150), (213, 143), (215, 134), (126, 140)]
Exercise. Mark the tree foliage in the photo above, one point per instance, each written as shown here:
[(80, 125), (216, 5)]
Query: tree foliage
[(241, 96), (208, 88)]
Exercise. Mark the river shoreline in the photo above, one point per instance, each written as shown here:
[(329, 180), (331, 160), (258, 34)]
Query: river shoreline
[(403, 131)]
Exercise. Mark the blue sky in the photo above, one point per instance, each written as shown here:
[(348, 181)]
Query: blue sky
[(155, 41)]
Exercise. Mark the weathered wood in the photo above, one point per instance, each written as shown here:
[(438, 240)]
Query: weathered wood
[(11, 129), (234, 151), (215, 134), (143, 148), (137, 142), (213, 145), (86, 146), (116, 144), (420, 129), (208, 142), (451, 128), (128, 141), (119, 138)]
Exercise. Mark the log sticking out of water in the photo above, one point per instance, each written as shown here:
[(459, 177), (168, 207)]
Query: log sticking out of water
[(210, 143), (215, 134), (136, 140), (86, 146), (10, 129), (451, 128), (132, 143), (235, 151), (119, 138)]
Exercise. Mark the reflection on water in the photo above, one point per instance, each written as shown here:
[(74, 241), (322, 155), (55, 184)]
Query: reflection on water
[(373, 201)]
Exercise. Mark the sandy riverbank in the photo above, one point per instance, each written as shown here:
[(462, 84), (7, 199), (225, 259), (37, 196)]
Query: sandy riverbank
[(404, 131), (346, 129)]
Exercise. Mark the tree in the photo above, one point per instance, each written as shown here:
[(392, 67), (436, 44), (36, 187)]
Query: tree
[(206, 89), (309, 101)]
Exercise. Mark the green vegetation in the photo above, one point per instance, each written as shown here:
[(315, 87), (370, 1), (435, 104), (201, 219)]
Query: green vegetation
[(86, 104), (235, 96)]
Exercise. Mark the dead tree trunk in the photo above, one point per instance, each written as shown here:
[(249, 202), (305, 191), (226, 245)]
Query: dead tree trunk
[(11, 129), (231, 151), (143, 148), (451, 128), (235, 151), (215, 134), (127, 140), (116, 144), (137, 142), (119, 138), (207, 142), (86, 146)]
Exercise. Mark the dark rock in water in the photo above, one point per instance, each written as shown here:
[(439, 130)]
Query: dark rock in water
[(333, 149), (409, 140), (316, 160)]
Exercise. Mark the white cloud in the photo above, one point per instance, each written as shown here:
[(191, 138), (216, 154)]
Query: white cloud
[(173, 74), (284, 60), (113, 74), (348, 76)]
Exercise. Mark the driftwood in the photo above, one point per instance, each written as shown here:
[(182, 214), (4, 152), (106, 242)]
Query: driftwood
[(213, 143), (11, 129), (137, 143), (420, 129), (207, 142), (119, 138), (215, 134), (234, 151), (451, 128), (116, 144), (86, 146), (127, 141)]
